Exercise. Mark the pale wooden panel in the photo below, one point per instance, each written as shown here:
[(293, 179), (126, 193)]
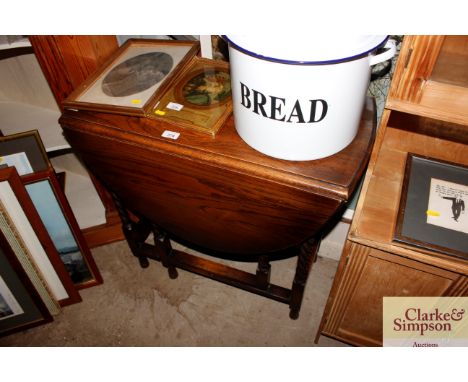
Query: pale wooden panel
[(448, 102), (431, 78), (452, 64), (356, 312), (390, 164), (377, 220), (418, 55)]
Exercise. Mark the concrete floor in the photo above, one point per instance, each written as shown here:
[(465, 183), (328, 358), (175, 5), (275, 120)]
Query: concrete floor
[(143, 307)]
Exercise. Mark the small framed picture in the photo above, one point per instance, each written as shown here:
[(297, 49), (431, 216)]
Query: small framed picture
[(21, 306), (134, 78), (432, 213), (25, 151), (200, 98), (61, 225)]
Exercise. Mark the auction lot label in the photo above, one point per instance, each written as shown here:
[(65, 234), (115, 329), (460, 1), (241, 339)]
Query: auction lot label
[(425, 321)]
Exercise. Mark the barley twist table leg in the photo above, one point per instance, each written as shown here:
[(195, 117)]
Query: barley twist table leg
[(134, 239), (307, 255)]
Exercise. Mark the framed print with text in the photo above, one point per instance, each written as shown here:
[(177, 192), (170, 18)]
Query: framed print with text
[(432, 213)]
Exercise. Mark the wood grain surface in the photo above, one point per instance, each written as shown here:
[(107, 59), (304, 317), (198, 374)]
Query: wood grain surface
[(217, 193)]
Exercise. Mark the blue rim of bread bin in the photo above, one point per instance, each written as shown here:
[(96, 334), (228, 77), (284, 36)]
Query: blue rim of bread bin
[(292, 62)]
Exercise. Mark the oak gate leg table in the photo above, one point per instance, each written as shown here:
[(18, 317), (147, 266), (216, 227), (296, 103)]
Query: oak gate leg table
[(218, 194)]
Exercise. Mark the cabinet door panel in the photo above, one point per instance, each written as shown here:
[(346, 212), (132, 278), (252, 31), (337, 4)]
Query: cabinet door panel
[(370, 275)]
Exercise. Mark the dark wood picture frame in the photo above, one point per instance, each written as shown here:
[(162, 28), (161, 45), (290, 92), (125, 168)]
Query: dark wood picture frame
[(51, 199), (29, 143), (11, 176), (90, 95), (23, 307), (428, 181)]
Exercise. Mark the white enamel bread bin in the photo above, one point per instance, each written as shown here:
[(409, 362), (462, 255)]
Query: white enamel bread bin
[(301, 100)]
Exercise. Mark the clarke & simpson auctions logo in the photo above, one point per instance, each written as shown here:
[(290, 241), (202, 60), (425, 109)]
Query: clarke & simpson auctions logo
[(425, 321), (416, 320)]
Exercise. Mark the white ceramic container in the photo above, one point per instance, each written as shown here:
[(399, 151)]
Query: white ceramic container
[(301, 100)]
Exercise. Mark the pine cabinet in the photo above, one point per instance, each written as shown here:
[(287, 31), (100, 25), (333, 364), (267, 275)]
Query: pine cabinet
[(431, 78), (416, 120)]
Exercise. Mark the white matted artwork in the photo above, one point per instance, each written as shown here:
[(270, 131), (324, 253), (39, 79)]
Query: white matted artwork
[(18, 160), (133, 77), (431, 214), (446, 206), (9, 306)]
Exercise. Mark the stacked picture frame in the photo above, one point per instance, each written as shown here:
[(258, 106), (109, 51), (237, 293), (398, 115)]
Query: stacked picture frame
[(37, 229), (163, 80)]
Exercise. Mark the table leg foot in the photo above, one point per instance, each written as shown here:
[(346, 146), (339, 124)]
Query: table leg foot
[(161, 240), (294, 314), (135, 233), (263, 270), (144, 263), (307, 255)]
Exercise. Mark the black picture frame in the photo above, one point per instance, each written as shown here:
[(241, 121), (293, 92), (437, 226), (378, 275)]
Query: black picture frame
[(432, 213), (20, 304)]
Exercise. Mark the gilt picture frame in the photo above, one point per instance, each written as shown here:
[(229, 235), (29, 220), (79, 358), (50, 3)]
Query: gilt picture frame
[(21, 306), (134, 77), (432, 213), (199, 99)]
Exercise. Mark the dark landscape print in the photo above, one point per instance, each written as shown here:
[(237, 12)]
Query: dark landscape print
[(137, 74)]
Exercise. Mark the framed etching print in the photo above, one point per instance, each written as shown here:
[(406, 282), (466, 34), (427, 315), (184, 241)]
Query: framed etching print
[(134, 78), (433, 205)]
